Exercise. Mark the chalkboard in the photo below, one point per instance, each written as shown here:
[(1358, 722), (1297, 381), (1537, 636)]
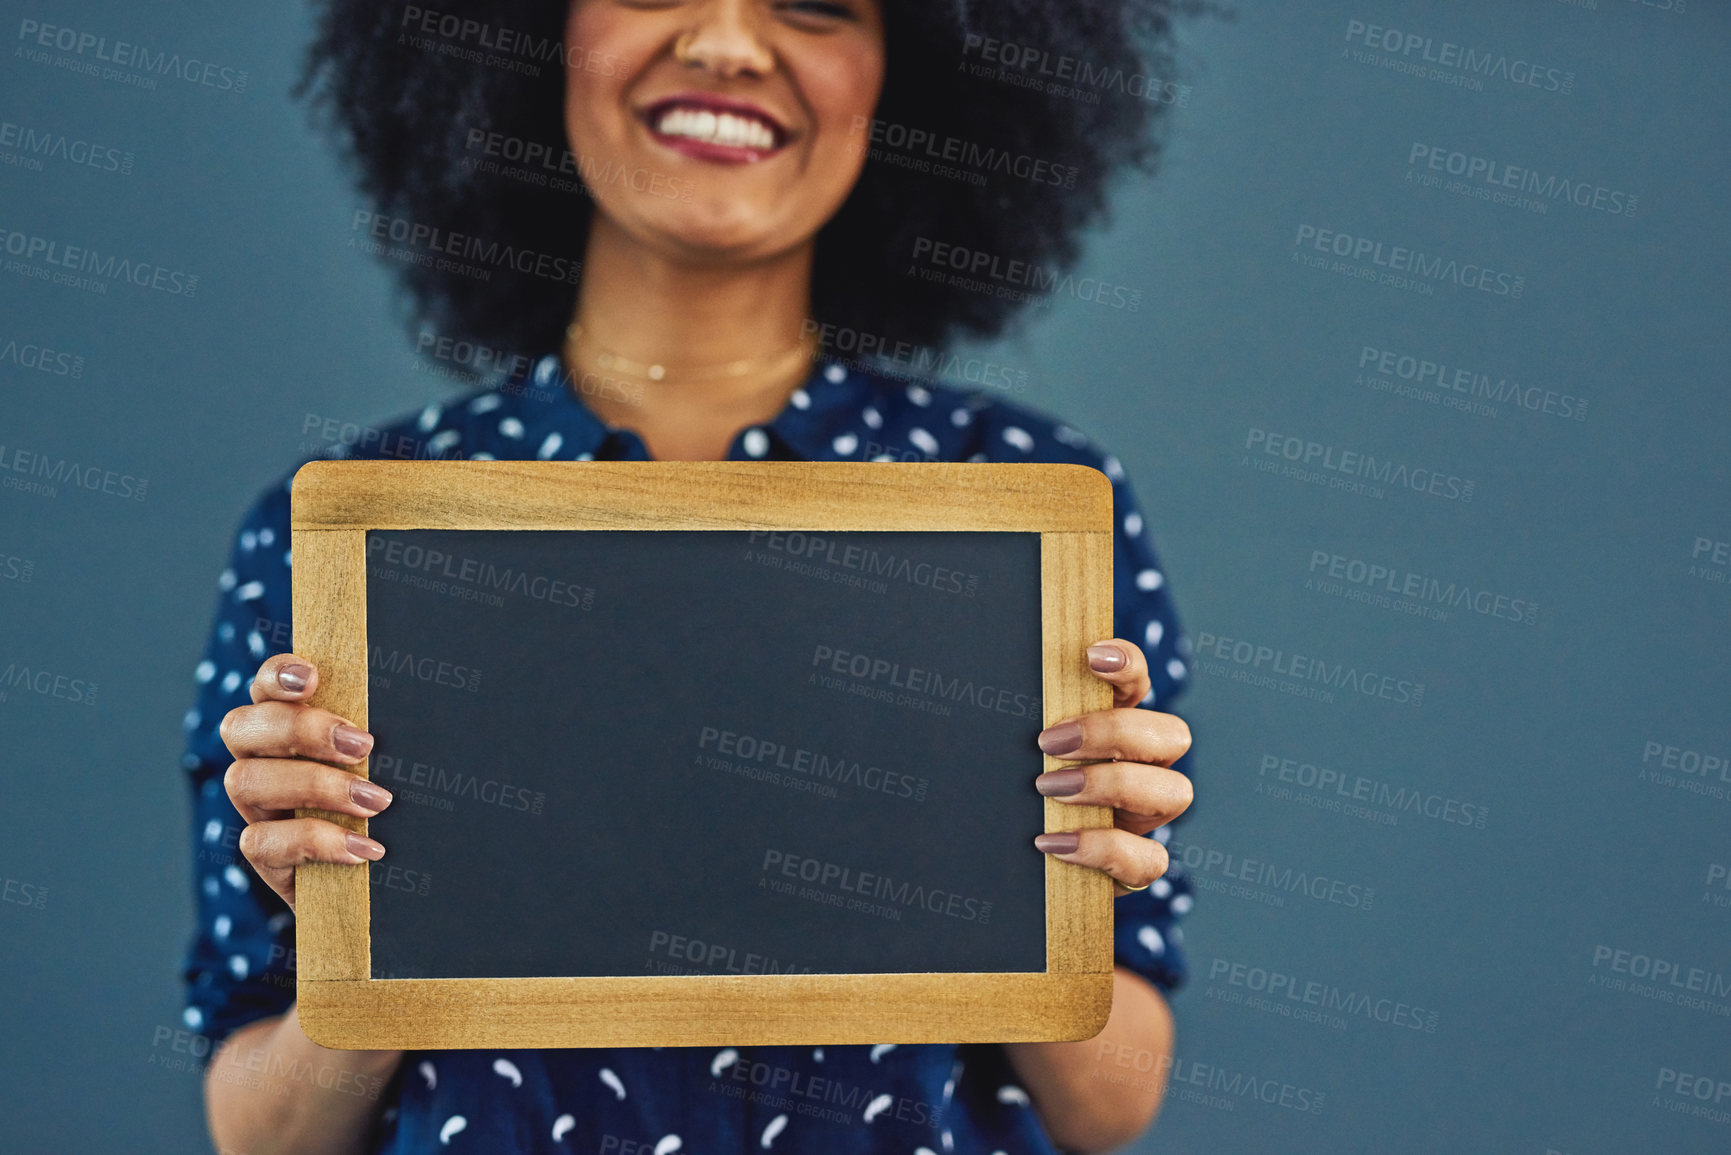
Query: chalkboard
[(703, 752), (816, 750)]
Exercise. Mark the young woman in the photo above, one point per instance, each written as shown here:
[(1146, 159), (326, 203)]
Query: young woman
[(652, 216)]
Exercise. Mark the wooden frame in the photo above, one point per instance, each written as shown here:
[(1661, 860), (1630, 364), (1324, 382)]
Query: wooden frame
[(335, 503)]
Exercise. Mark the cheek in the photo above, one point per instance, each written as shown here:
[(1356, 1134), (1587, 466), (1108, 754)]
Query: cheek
[(843, 92), (595, 80), (583, 104)]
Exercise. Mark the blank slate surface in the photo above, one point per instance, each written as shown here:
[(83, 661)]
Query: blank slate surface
[(705, 752)]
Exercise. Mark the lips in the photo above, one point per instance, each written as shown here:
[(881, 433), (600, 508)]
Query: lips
[(714, 128)]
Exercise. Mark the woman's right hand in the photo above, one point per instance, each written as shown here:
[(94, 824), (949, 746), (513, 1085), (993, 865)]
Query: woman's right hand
[(288, 754)]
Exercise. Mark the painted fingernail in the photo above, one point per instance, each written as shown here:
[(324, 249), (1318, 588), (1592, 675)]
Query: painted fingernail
[(1104, 658), (294, 678), (363, 847), (1060, 782), (1057, 842), (367, 796), (348, 740), (1061, 739)]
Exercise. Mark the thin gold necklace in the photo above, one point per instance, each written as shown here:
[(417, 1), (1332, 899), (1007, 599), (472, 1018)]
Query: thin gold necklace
[(612, 362)]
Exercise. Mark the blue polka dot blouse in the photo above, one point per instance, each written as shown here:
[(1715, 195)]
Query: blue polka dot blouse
[(909, 1100)]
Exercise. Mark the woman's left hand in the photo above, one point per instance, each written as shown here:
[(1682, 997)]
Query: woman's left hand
[(1132, 751)]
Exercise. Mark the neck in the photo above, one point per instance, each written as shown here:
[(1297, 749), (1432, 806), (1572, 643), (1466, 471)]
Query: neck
[(690, 317)]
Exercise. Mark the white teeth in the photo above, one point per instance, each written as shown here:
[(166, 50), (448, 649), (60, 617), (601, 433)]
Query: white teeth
[(727, 128)]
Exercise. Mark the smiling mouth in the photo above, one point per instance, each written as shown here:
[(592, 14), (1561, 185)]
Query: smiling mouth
[(715, 130)]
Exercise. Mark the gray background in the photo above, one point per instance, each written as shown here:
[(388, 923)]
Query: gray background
[(1495, 930)]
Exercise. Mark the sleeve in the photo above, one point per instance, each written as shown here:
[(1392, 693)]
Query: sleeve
[(1146, 935), (239, 966)]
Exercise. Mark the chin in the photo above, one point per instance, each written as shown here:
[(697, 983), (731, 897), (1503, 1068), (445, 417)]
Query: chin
[(723, 229)]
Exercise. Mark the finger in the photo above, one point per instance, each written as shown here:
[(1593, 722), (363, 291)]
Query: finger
[(1123, 665), (1129, 858), (284, 678), (292, 730), (1126, 734), (276, 848), (1142, 796), (266, 788), (291, 842)]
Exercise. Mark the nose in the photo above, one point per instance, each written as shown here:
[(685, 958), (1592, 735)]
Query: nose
[(725, 37)]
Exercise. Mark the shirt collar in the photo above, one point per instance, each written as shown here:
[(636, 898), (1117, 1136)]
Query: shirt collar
[(823, 412)]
